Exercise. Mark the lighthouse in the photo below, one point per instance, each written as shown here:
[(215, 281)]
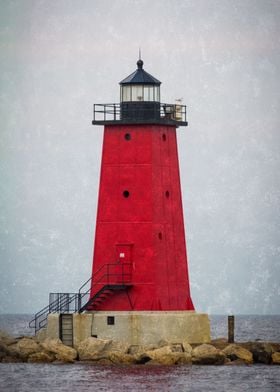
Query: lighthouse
[(140, 258), (140, 279), (139, 289)]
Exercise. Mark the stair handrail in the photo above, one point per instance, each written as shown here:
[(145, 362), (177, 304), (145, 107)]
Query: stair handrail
[(58, 303)]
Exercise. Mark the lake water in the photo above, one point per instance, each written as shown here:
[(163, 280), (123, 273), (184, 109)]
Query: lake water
[(84, 377)]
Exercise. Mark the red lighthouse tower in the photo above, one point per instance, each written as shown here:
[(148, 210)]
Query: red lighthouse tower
[(139, 291), (140, 260)]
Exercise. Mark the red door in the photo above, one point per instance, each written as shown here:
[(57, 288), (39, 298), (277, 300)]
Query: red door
[(124, 258)]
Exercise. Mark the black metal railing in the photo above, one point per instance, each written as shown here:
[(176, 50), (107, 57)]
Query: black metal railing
[(139, 112), (107, 275)]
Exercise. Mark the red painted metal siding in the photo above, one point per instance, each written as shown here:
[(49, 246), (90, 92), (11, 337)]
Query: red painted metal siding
[(146, 221)]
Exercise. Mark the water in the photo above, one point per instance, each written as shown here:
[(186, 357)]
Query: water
[(84, 377), (87, 377)]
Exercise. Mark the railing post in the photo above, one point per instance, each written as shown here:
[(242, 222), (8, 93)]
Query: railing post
[(230, 329), (79, 302)]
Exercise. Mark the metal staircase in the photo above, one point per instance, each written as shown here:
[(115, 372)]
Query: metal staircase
[(105, 282)]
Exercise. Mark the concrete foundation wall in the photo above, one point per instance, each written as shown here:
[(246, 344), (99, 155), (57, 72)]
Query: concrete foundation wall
[(53, 326), (149, 327), (82, 326), (136, 327)]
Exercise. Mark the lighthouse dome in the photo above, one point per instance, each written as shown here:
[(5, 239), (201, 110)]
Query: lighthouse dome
[(140, 76)]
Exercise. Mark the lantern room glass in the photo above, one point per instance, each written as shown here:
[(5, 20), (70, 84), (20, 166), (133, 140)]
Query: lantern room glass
[(140, 92)]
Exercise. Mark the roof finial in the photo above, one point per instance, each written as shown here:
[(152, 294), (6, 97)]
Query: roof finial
[(140, 62)]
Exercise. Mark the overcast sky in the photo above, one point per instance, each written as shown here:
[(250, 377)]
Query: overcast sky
[(222, 57)]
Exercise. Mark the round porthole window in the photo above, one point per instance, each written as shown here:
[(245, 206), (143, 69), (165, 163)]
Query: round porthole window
[(125, 194), (127, 136)]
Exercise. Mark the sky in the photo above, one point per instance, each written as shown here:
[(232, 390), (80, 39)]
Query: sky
[(222, 58)]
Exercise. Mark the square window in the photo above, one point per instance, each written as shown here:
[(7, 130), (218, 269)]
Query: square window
[(110, 320)]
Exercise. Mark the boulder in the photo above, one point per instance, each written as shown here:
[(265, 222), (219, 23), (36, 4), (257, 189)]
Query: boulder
[(275, 358), (173, 358), (219, 343), (13, 352), (41, 357), (7, 339), (206, 354), (135, 349), (234, 352), (25, 347), (262, 352), (62, 353), (158, 352), (183, 358), (116, 346), (92, 349), (187, 347), (166, 355), (3, 351), (120, 358), (153, 355), (3, 348)]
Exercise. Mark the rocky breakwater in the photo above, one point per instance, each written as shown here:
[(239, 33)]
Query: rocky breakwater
[(108, 352)]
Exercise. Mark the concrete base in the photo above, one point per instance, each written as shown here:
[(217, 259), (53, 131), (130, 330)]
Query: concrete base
[(141, 328), (137, 327)]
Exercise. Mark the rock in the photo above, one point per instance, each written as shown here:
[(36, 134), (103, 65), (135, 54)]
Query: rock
[(41, 357), (276, 358), (205, 354), (166, 355), (12, 352), (139, 349), (117, 346), (62, 353), (153, 354), (262, 352), (135, 349), (219, 343), (187, 347), (233, 352), (121, 358), (183, 359), (158, 352), (26, 346), (3, 348), (7, 339), (92, 349), (173, 358)]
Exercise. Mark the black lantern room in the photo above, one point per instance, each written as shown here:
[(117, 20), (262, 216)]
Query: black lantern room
[(140, 103), (140, 95)]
